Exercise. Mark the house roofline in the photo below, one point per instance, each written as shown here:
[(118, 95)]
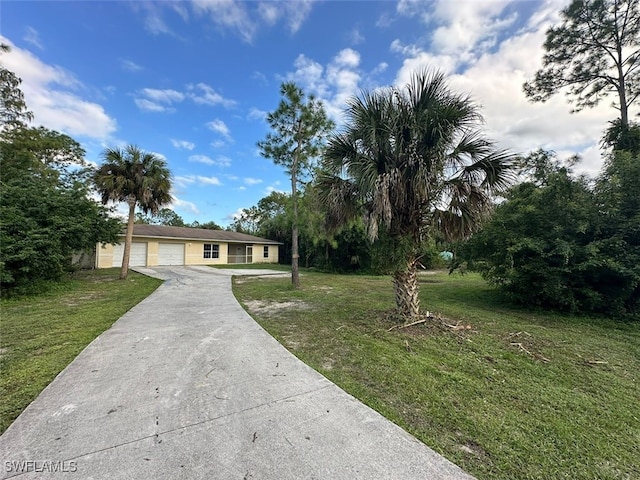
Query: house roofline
[(205, 240)]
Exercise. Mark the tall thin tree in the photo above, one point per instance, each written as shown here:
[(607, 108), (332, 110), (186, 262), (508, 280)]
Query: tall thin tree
[(593, 53), (141, 179), (299, 128)]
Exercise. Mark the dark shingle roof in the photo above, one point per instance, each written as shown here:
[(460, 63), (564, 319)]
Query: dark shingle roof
[(186, 233)]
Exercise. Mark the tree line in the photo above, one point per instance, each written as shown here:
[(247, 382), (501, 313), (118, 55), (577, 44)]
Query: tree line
[(408, 175)]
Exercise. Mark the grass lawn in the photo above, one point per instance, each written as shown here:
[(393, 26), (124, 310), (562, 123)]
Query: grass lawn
[(518, 395), (41, 335)]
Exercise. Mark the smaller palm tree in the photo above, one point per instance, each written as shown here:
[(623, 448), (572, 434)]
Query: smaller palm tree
[(140, 179)]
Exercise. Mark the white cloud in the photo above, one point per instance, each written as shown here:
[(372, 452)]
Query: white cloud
[(464, 28), (221, 161), (167, 96), (51, 93), (355, 37), (130, 66), (347, 58), (159, 155), (381, 67), (384, 20), (273, 188), (183, 181), (261, 77), (220, 127), (406, 50), (201, 159), (32, 36), (468, 25), (183, 144), (209, 180), (163, 100), (333, 84), (310, 74), (256, 114), (494, 80), (153, 21), (233, 216), (155, 24), (181, 10), (149, 106), (246, 18), (205, 95), (158, 100), (252, 181), (228, 15), (269, 12), (184, 205), (296, 13)]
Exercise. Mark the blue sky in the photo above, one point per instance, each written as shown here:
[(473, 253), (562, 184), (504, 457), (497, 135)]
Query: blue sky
[(192, 80)]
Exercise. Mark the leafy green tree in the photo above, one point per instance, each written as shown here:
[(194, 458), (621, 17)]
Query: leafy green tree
[(618, 137), (247, 222), (46, 213), (142, 219), (558, 243), (617, 194), (140, 179), (211, 225), (534, 239), (412, 161), (594, 52), (299, 128), (165, 216), (13, 109)]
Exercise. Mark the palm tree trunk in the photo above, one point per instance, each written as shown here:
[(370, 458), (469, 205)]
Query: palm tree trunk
[(405, 285), (124, 270)]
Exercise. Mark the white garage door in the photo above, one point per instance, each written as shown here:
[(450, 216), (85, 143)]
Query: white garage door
[(137, 258), (171, 254)]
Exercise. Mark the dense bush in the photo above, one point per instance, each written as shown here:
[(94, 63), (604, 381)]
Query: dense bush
[(559, 242)]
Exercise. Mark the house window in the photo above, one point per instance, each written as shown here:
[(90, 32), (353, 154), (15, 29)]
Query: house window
[(266, 251), (211, 250)]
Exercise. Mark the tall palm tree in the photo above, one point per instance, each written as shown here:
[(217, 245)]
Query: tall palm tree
[(412, 160), (140, 179)]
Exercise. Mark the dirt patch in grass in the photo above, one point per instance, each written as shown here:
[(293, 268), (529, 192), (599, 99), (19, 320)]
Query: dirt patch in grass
[(271, 309), (246, 278)]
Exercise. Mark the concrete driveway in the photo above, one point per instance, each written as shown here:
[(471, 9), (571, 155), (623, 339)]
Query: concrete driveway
[(187, 385)]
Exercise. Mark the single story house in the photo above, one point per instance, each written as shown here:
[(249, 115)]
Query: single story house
[(162, 245)]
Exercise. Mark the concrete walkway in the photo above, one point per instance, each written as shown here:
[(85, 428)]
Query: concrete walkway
[(187, 385)]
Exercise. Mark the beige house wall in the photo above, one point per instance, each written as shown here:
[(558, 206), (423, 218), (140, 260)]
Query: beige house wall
[(258, 254), (104, 256), (193, 255)]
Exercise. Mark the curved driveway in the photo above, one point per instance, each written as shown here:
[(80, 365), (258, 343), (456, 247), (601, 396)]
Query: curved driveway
[(187, 385)]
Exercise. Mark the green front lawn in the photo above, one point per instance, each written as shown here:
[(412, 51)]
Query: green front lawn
[(41, 335), (503, 392)]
